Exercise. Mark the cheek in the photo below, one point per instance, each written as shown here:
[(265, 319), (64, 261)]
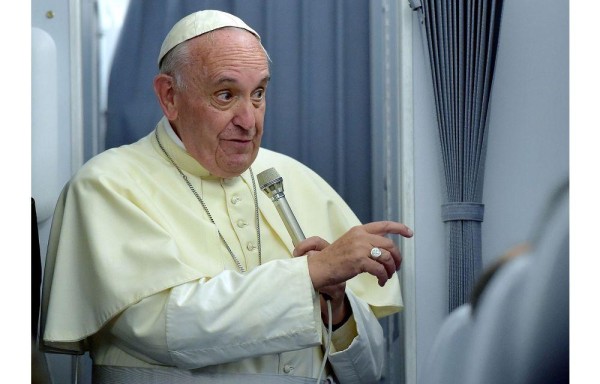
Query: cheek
[(211, 124), (260, 118), (203, 134)]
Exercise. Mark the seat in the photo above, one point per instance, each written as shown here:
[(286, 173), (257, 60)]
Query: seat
[(445, 363), (521, 332), (518, 331)]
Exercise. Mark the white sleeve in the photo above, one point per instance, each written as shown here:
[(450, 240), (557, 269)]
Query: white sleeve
[(362, 361), (271, 309)]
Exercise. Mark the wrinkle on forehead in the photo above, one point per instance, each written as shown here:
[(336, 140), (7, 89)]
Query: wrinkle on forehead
[(228, 49)]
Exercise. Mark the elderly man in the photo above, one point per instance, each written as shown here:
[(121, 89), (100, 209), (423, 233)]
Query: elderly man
[(171, 267)]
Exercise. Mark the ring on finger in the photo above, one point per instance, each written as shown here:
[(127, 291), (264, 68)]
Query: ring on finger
[(375, 253)]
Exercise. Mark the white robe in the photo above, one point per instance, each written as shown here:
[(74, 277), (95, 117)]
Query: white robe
[(129, 238)]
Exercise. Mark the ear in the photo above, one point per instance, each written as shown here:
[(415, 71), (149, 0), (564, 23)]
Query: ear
[(165, 92)]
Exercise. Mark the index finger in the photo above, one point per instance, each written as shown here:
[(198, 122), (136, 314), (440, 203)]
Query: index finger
[(313, 243), (382, 228)]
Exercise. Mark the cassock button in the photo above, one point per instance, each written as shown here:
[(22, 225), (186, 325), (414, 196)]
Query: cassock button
[(241, 223), (288, 368), (235, 199), (250, 246)]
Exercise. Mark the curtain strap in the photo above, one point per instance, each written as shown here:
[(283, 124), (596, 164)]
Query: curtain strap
[(414, 4), (462, 211)]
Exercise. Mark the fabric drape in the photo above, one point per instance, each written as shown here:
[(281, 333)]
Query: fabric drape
[(461, 41)]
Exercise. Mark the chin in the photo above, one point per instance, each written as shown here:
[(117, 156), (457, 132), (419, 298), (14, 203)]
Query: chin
[(235, 165), (234, 170)]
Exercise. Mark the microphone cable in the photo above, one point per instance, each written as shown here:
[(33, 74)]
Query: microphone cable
[(328, 342)]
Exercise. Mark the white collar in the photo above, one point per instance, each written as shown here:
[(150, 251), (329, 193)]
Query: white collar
[(173, 135)]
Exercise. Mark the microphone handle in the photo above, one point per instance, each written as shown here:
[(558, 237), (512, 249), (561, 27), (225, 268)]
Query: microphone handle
[(291, 224)]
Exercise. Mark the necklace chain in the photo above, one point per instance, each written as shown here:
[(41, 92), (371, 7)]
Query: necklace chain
[(189, 184)]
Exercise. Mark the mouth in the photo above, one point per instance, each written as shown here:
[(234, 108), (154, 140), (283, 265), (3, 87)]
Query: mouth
[(237, 145)]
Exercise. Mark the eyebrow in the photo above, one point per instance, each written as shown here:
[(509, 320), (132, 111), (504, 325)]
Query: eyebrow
[(225, 80)]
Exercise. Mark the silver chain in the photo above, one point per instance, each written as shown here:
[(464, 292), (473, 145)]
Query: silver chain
[(189, 184)]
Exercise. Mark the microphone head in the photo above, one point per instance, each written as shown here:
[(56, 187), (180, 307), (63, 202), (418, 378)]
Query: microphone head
[(270, 182)]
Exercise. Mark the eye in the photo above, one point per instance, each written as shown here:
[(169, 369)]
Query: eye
[(224, 96), (259, 94)]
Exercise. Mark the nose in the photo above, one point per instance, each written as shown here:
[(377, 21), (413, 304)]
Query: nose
[(245, 115)]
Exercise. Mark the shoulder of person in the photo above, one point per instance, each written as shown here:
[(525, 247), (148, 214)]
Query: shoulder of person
[(284, 164), (118, 160), (294, 173)]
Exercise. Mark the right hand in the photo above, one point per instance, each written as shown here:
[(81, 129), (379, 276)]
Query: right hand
[(349, 255), (335, 293)]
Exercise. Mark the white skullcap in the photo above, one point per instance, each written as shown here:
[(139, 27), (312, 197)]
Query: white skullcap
[(197, 24)]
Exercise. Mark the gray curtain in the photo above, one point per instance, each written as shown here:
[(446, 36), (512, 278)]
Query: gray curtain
[(461, 39), (318, 108)]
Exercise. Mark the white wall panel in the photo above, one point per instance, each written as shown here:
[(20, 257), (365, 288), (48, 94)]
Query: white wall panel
[(45, 183)]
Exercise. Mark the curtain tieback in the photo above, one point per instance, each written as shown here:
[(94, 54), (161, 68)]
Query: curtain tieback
[(462, 211)]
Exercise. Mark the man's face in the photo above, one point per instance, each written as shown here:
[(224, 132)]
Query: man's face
[(220, 114)]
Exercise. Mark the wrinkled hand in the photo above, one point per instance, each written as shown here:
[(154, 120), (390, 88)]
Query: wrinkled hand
[(349, 255), (335, 293)]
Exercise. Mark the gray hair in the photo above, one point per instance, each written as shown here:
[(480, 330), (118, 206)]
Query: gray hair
[(177, 59)]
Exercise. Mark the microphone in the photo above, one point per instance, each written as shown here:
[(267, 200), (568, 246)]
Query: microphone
[(272, 185)]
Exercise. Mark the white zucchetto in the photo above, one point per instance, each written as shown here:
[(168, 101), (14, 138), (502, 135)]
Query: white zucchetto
[(197, 24)]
